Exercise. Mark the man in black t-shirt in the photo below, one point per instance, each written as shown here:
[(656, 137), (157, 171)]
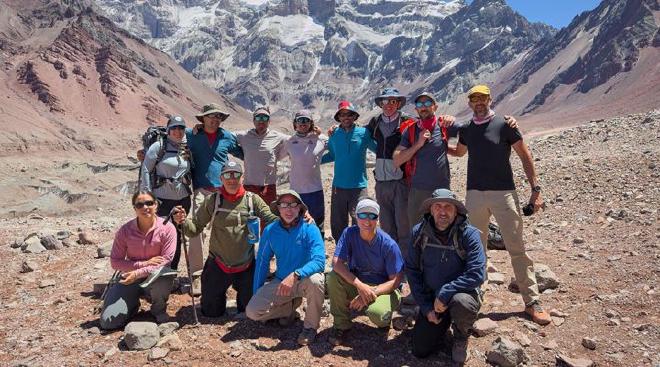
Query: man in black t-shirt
[(491, 190)]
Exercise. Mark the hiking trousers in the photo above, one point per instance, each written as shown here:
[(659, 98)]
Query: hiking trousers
[(392, 196), (315, 202), (462, 312), (164, 209), (342, 205), (198, 246), (505, 207), (341, 293), (267, 305), (415, 199), (215, 283), (122, 302)]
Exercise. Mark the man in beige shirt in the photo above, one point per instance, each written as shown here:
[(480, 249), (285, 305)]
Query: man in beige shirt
[(262, 148)]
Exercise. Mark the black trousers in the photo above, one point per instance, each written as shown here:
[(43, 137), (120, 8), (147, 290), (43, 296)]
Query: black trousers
[(164, 209), (215, 283), (462, 312)]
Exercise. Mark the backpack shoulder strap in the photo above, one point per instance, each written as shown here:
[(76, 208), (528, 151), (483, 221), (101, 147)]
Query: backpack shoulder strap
[(217, 203), (457, 241)]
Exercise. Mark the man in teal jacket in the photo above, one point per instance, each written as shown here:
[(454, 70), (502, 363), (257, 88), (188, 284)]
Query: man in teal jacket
[(300, 258), (347, 147), (210, 148)]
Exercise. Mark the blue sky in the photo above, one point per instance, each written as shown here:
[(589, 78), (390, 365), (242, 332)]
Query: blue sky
[(557, 13)]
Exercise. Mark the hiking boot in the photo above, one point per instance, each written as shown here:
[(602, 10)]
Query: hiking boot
[(337, 336), (538, 314), (289, 320), (306, 336), (460, 352)]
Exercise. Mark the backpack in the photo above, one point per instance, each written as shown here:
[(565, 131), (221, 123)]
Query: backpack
[(159, 134), (219, 199), (411, 165), (421, 240)]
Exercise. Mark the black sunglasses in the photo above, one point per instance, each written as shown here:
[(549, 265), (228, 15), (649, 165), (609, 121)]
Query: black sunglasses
[(142, 204)]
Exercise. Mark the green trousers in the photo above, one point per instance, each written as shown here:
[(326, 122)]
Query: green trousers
[(341, 293)]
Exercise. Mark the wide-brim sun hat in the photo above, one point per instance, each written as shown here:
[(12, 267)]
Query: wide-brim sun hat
[(389, 93), (276, 210), (443, 195), (209, 109), (346, 106)]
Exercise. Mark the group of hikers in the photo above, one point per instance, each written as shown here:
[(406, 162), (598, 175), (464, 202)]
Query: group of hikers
[(415, 230)]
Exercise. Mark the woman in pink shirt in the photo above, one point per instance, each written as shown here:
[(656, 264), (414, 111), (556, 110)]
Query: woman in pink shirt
[(142, 246)]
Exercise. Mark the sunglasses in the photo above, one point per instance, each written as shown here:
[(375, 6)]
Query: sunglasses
[(261, 118), (478, 98), (288, 205), (389, 101), (303, 120), (370, 216), (142, 204), (217, 115), (228, 175), (427, 103)]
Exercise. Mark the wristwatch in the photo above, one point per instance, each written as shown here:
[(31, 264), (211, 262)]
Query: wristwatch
[(536, 188), (296, 275)]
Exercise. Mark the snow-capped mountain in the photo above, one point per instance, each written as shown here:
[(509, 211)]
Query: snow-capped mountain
[(309, 53)]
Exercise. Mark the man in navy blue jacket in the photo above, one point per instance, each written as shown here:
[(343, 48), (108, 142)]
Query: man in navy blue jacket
[(445, 265), (300, 259)]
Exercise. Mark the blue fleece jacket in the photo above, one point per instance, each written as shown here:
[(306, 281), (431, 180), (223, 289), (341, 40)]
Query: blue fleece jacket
[(299, 249), (209, 159), (348, 150), (439, 272)]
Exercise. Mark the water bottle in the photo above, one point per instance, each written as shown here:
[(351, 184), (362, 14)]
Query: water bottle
[(254, 227)]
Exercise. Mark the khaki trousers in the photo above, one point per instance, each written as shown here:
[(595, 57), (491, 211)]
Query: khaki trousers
[(505, 207), (266, 305), (198, 248)]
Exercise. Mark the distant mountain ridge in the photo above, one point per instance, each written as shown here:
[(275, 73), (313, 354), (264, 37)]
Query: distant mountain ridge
[(81, 83)]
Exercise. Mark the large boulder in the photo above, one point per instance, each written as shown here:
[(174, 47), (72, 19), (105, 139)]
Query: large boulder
[(141, 335), (104, 250)]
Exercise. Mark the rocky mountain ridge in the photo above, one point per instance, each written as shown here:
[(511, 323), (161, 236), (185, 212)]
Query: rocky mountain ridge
[(296, 53), (72, 75)]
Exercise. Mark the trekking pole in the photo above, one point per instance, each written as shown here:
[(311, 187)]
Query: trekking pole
[(113, 279), (184, 244)]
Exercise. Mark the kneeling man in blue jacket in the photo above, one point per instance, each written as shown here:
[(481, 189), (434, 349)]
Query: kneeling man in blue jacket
[(300, 259), (445, 266)]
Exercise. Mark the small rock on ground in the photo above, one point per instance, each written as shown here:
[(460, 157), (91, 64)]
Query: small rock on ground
[(506, 353), (574, 362), (484, 326), (141, 335), (157, 353)]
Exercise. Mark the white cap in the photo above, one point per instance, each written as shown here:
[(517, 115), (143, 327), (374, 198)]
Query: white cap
[(367, 206)]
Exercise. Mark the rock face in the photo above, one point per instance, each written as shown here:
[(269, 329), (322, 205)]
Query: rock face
[(140, 335), (263, 57), (308, 53)]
